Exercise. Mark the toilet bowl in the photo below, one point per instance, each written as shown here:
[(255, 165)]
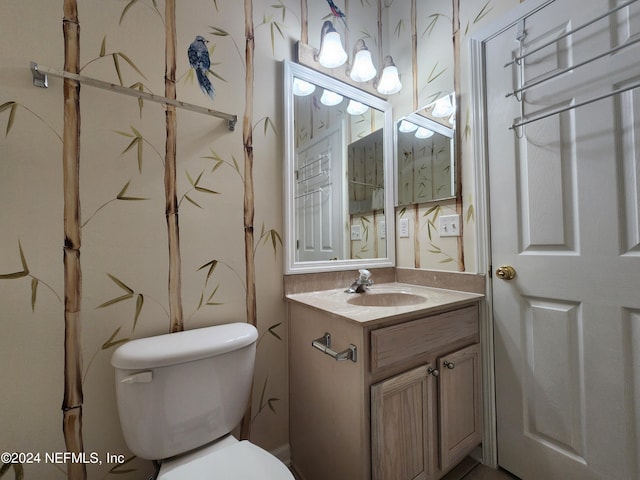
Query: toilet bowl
[(180, 395)]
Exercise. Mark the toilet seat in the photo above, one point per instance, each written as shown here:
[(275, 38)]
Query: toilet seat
[(227, 459)]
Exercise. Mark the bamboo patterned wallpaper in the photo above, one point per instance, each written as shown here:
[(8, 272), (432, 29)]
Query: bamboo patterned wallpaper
[(98, 217)]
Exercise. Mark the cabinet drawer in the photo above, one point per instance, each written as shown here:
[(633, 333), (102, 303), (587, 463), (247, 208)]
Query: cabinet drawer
[(431, 335)]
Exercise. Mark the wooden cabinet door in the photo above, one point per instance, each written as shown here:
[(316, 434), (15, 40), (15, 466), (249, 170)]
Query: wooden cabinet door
[(460, 400), (402, 426)]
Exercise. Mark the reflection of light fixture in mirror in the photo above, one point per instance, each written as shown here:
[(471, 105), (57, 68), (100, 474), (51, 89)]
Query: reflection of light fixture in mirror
[(331, 54), (423, 133), (452, 119), (356, 108), (443, 107), (330, 98), (362, 69), (389, 82), (302, 88), (406, 127)]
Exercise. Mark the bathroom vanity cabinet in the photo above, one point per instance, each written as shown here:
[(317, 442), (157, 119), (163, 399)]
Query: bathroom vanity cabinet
[(409, 407)]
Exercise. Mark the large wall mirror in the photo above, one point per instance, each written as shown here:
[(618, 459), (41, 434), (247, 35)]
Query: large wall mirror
[(338, 175), (425, 154)]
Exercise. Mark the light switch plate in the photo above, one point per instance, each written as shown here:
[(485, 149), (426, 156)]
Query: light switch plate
[(356, 232), (449, 225), (383, 229), (403, 228)]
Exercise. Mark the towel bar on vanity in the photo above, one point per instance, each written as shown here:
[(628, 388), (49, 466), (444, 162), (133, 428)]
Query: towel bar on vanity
[(324, 345)]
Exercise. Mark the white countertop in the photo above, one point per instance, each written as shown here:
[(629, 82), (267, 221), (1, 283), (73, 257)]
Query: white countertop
[(336, 301)]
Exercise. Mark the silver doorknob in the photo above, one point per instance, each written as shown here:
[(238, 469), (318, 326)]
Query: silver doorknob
[(506, 272), (449, 365)]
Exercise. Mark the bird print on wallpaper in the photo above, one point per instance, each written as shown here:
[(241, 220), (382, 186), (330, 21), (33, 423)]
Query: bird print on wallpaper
[(200, 62), (337, 12)]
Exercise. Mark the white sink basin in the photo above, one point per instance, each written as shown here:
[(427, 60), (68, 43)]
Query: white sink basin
[(386, 299)]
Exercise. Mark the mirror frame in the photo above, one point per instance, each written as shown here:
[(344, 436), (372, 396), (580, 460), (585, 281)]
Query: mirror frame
[(437, 127), (291, 266)]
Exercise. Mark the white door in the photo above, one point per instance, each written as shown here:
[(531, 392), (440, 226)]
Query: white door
[(321, 197), (564, 193)]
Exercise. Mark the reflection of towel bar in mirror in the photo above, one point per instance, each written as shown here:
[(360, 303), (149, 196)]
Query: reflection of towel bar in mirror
[(321, 157), (370, 185), (317, 190), (315, 175)]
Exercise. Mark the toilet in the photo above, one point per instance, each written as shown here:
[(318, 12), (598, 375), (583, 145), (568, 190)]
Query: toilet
[(179, 397)]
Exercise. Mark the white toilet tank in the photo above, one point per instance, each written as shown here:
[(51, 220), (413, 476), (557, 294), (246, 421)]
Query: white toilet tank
[(179, 391)]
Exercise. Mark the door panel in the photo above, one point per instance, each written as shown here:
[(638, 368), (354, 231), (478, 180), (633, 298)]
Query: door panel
[(564, 213)]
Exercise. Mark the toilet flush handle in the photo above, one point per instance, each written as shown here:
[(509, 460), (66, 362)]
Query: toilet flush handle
[(140, 377)]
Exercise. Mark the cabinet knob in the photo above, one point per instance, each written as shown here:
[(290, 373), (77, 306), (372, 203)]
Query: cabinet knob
[(449, 365), (433, 371)]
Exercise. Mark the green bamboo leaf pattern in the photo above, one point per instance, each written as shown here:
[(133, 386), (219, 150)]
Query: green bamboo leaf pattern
[(119, 469), (131, 64), (209, 302), (111, 342), (190, 200), (121, 195), (272, 331), (121, 284), (34, 292), (25, 269), (212, 266), (206, 190), (116, 64), (483, 12), (13, 106), (18, 470), (116, 300), (433, 75), (139, 305), (126, 9), (103, 47)]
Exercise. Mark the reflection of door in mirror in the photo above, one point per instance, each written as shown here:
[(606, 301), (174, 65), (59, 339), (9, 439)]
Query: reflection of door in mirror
[(319, 173)]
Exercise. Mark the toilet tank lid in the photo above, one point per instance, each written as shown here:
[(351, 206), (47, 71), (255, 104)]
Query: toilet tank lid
[(181, 347)]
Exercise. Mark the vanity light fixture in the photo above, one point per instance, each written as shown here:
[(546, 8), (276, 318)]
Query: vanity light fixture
[(331, 54), (407, 127), (356, 108), (389, 82), (302, 88), (330, 98), (362, 69), (424, 133), (443, 107)]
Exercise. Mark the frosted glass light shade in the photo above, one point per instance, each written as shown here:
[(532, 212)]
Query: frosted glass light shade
[(356, 108), (330, 98), (302, 88), (406, 126), (423, 133), (362, 69), (332, 53), (443, 107), (389, 82)]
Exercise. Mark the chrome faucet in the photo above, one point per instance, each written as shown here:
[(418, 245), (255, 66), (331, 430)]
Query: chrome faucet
[(362, 282)]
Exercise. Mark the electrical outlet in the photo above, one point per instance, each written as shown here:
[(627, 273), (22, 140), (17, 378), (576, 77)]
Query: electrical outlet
[(404, 228), (356, 232), (383, 229), (449, 225)]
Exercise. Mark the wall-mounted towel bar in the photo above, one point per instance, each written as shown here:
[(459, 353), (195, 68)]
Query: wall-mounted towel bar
[(571, 32), (324, 345), (40, 79), (576, 105)]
